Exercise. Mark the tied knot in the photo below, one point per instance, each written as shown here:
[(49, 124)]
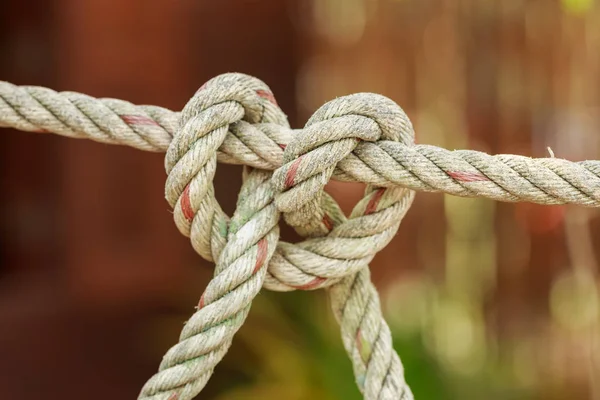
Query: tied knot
[(219, 107), (325, 147), (219, 103), (337, 246), (246, 249), (241, 246), (348, 244)]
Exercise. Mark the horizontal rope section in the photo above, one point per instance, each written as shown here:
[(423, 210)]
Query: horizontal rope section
[(464, 173)]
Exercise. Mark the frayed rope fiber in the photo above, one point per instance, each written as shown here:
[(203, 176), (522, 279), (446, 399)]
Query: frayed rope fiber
[(235, 119)]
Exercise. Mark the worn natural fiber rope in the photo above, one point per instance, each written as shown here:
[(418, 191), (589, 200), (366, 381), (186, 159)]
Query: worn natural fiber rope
[(331, 134), (234, 119), (241, 247), (425, 168)]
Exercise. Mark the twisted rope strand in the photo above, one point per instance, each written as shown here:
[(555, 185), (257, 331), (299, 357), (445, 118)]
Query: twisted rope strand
[(329, 136), (224, 306), (241, 247), (464, 173)]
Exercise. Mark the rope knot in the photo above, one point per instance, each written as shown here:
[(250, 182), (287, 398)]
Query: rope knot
[(344, 246), (191, 159), (246, 248), (337, 246), (327, 142), (241, 246)]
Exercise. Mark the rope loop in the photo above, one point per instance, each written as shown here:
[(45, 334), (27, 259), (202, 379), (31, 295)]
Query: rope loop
[(191, 158), (311, 158), (329, 137), (241, 246), (336, 247)]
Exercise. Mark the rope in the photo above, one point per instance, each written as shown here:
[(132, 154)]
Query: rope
[(332, 133), (464, 173), (242, 246), (367, 138)]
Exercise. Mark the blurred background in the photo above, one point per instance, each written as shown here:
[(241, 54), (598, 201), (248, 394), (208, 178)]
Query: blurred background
[(485, 300)]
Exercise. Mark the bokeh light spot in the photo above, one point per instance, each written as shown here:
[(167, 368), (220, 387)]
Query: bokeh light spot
[(574, 300), (577, 6)]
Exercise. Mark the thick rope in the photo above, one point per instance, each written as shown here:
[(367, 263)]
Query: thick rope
[(191, 164), (295, 266), (384, 163), (330, 135), (241, 247), (234, 119)]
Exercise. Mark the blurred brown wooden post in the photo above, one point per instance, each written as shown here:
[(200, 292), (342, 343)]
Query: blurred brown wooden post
[(122, 242), (29, 189), (153, 53), (125, 263)]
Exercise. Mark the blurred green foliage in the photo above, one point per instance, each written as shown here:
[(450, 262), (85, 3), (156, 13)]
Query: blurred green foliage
[(578, 6), (289, 348)]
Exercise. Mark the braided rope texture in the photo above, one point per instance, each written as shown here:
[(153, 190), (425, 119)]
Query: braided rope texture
[(235, 119)]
